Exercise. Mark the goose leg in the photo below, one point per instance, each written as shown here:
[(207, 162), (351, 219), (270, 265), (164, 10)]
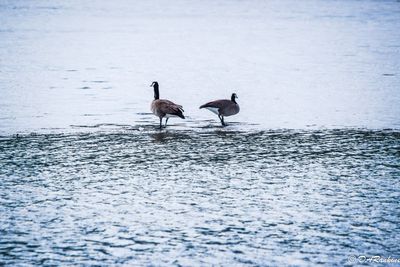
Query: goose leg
[(160, 123), (221, 118), (166, 122)]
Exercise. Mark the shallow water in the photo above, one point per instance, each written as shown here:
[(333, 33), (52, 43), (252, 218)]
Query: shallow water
[(307, 173), (293, 64), (199, 198)]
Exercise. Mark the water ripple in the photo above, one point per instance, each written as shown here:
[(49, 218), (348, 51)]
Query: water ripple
[(147, 196)]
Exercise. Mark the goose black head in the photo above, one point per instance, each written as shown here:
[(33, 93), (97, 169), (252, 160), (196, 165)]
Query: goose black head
[(154, 84), (156, 92), (233, 97)]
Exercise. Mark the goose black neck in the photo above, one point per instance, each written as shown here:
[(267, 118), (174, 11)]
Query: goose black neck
[(156, 92)]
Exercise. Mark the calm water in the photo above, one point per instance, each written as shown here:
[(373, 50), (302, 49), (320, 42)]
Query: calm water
[(293, 64), (306, 174)]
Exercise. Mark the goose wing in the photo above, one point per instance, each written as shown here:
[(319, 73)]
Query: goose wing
[(169, 107), (217, 104)]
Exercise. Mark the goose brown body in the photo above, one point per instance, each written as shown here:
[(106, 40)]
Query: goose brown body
[(163, 108), (223, 107)]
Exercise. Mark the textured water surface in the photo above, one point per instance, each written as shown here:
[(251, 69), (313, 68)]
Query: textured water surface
[(217, 196)]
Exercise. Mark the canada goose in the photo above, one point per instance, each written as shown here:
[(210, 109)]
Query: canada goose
[(223, 107), (164, 108)]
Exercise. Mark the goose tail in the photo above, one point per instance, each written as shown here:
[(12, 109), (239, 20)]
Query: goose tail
[(179, 112)]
